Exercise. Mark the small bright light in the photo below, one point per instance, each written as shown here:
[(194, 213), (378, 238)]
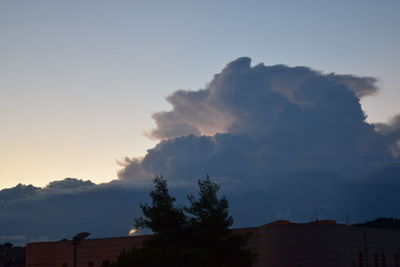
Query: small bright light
[(132, 231)]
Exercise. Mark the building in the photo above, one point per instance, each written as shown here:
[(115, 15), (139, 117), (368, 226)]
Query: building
[(279, 244)]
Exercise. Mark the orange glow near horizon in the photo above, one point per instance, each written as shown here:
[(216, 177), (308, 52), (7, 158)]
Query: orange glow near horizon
[(133, 231)]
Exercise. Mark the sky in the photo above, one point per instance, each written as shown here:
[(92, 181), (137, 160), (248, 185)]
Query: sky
[(290, 106), (80, 80)]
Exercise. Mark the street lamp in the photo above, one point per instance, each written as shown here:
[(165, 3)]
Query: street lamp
[(76, 240)]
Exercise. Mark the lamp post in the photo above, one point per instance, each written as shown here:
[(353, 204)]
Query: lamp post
[(76, 240)]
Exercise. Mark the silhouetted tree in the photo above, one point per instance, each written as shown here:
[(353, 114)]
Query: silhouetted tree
[(165, 219), (209, 215), (195, 236), (209, 225)]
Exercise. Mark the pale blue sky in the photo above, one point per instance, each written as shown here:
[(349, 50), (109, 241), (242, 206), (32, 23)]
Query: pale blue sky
[(80, 79)]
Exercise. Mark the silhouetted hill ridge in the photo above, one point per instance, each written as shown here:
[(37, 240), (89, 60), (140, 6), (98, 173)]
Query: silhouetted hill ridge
[(381, 223)]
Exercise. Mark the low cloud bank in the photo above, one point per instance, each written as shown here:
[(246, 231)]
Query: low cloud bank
[(284, 142), (64, 208)]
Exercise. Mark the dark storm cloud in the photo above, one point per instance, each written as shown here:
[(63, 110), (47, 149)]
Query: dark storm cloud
[(284, 143), (241, 94), (249, 121)]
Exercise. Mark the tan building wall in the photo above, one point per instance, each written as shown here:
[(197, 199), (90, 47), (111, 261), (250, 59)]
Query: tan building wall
[(280, 244)]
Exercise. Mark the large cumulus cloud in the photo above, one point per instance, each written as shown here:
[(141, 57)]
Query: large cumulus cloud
[(243, 99), (284, 142), (249, 121)]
